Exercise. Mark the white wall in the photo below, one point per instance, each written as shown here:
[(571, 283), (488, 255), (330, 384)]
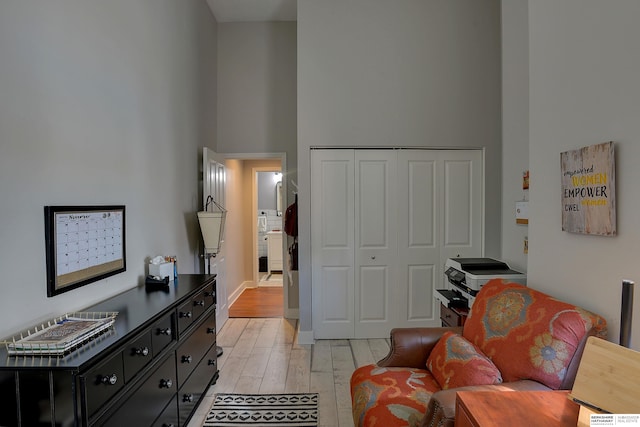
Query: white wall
[(257, 89), (515, 127), (584, 62), (103, 102), (266, 191), (257, 86), (398, 73)]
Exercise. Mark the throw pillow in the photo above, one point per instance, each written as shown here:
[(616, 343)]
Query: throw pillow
[(529, 334), (455, 362)]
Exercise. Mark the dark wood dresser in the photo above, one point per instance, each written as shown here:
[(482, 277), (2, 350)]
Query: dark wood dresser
[(150, 369), (452, 317)]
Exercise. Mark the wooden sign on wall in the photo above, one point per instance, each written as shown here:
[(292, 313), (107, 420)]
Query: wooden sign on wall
[(589, 190)]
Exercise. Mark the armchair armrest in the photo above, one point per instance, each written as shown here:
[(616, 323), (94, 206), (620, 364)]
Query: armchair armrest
[(410, 347), (441, 410)]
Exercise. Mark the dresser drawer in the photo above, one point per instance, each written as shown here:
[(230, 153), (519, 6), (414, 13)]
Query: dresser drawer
[(185, 316), (102, 382), (194, 347), (136, 355), (198, 304), (162, 333), (209, 293), (149, 400), (196, 386), (190, 311), (450, 317), (169, 417)]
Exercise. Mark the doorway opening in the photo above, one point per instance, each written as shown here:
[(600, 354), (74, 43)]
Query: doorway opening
[(264, 290), (269, 228)]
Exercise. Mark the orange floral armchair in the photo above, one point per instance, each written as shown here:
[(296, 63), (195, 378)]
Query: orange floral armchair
[(515, 338)]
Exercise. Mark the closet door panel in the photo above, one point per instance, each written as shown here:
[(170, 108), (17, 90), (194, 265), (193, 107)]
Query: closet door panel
[(376, 242), (332, 242), (374, 283), (337, 283), (462, 203), (421, 280), (418, 237)]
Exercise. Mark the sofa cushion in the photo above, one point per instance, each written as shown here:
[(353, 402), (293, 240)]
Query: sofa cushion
[(528, 334), (390, 396), (455, 362)]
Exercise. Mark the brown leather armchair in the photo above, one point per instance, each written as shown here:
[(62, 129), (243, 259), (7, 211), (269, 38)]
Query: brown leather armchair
[(400, 389)]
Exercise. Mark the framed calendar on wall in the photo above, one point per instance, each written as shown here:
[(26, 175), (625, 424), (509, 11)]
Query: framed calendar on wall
[(84, 244)]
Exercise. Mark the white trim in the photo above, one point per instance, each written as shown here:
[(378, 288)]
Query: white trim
[(305, 337), (292, 313), (236, 294)]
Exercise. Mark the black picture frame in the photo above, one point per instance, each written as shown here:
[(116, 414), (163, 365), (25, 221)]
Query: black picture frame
[(84, 244)]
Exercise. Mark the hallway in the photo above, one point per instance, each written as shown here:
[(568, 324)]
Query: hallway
[(263, 301)]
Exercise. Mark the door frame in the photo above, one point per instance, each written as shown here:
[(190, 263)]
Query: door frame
[(282, 156), (218, 266)]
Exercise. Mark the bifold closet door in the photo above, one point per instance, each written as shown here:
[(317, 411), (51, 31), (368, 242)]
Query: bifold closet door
[(383, 223), (377, 290), (440, 200), (354, 248), (462, 202), (332, 241), (418, 259)]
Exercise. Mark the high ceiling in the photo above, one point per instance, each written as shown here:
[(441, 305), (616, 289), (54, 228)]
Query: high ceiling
[(253, 10)]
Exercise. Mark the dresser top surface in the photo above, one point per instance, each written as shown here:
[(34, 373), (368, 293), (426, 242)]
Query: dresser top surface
[(136, 308)]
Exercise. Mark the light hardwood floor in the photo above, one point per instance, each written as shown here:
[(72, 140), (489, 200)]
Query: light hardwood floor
[(262, 356)]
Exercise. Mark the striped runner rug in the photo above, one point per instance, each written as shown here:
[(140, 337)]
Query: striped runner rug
[(292, 409)]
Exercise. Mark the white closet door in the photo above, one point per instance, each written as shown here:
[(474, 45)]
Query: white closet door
[(418, 262), (462, 204), (383, 223), (332, 240), (376, 288)]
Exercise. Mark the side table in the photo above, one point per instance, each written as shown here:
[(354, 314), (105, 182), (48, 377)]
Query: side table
[(515, 409)]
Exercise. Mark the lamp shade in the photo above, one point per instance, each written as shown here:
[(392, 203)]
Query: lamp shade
[(212, 227)]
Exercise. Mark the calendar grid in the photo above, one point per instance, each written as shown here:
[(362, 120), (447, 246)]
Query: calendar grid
[(87, 243)]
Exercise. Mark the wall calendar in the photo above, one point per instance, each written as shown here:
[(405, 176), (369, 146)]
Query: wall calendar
[(83, 244)]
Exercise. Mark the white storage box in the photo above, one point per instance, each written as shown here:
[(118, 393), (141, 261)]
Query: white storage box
[(163, 270)]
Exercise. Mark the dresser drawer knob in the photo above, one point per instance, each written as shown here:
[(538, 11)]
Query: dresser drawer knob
[(211, 362), (198, 303), (165, 331), (142, 351), (187, 398), (109, 379), (186, 359), (211, 330), (166, 383), (186, 314)]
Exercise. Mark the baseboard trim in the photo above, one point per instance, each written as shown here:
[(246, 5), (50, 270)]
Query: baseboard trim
[(236, 294), (305, 337), (292, 313)]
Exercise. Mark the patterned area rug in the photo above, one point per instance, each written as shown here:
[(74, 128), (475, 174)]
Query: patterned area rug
[(297, 410)]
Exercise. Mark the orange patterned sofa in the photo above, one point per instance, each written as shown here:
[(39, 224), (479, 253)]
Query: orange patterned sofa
[(515, 338)]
